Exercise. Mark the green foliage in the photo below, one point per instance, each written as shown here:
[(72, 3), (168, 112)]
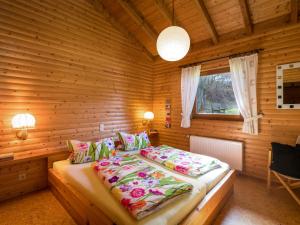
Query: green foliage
[(215, 95)]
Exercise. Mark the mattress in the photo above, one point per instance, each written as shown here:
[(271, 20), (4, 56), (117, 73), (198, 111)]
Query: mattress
[(83, 178)]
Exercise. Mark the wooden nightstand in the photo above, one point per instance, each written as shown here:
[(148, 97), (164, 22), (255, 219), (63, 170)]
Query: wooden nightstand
[(27, 172), (154, 138)]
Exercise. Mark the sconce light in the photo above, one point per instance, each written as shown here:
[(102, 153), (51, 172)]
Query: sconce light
[(148, 116), (23, 122)]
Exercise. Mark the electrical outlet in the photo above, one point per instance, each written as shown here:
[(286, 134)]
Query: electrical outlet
[(22, 176), (101, 127)]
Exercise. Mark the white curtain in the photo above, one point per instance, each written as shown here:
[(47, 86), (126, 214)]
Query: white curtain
[(189, 83), (243, 75)]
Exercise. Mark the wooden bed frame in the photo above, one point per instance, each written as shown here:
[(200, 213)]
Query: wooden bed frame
[(84, 212)]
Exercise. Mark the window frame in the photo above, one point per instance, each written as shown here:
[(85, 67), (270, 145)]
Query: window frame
[(209, 116)]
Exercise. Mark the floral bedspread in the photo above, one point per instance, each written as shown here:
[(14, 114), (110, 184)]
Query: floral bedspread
[(181, 161), (138, 186)]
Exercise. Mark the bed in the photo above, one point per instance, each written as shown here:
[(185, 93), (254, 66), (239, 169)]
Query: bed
[(78, 189)]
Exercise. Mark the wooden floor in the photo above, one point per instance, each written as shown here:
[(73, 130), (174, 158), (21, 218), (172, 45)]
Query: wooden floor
[(251, 204)]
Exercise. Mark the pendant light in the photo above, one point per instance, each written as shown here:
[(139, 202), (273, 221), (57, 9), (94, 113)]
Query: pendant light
[(173, 43)]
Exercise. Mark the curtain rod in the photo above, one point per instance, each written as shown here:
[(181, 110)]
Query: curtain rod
[(222, 57)]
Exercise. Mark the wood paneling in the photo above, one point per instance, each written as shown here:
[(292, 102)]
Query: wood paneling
[(291, 75), (226, 15), (66, 64), (294, 11), (222, 18), (128, 22), (207, 20), (246, 15), (265, 9), (139, 20), (281, 47)]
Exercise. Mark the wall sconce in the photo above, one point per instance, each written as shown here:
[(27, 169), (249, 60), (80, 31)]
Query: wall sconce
[(23, 122), (148, 116)]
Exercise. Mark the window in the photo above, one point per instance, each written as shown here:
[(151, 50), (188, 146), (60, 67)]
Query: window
[(215, 98)]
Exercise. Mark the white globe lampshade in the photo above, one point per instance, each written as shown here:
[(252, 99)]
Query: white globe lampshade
[(173, 43), (23, 121)]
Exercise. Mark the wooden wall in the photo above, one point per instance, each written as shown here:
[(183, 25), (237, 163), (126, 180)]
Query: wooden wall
[(69, 67), (66, 64), (282, 46)]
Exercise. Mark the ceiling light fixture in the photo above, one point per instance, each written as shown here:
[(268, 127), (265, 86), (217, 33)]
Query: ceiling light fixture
[(173, 43)]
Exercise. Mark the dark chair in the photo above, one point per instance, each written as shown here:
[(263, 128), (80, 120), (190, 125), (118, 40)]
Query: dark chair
[(288, 177)]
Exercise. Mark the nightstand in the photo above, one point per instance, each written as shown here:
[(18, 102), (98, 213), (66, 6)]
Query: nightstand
[(154, 138), (27, 171)]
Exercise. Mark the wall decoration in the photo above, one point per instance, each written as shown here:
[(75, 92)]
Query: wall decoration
[(288, 86), (168, 114)]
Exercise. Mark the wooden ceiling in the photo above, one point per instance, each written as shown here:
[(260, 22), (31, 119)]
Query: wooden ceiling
[(208, 22)]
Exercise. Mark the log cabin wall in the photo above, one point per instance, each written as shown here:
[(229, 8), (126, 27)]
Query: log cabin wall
[(64, 62), (281, 46)]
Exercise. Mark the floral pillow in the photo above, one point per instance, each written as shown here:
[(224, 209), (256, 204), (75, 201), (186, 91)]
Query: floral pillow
[(81, 152), (133, 142), (104, 148), (144, 140), (130, 141)]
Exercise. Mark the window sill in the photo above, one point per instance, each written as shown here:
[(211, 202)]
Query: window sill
[(237, 118)]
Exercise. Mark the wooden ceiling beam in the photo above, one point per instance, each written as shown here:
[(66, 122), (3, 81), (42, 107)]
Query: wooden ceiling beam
[(294, 11), (161, 5), (99, 7), (207, 20), (135, 15), (261, 29), (246, 16)]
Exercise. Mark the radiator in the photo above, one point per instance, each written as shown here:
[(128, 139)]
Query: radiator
[(227, 151)]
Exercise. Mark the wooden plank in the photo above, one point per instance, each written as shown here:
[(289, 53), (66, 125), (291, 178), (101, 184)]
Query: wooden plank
[(294, 11), (99, 7), (226, 16), (161, 5), (82, 210), (261, 29), (207, 20), (135, 15), (70, 199), (246, 15), (24, 156), (81, 69)]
